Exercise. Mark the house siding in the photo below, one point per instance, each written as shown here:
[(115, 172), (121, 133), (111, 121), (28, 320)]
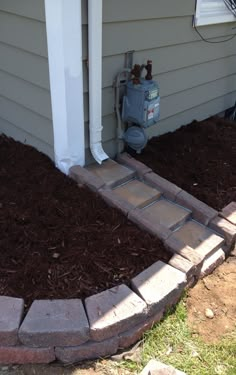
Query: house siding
[(25, 103), (197, 79)]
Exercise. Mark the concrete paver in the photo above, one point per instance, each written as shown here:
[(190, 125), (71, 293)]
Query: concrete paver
[(111, 173), (167, 214), (137, 193)]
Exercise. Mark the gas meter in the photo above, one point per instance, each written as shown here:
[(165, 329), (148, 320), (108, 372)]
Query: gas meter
[(141, 103)]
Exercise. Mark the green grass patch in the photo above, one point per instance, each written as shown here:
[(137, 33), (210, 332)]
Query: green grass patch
[(172, 342)]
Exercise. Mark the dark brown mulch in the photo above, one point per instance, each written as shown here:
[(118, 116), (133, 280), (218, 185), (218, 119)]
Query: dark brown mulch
[(58, 240), (200, 158)]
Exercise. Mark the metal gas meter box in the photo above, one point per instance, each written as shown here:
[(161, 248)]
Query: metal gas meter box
[(141, 104)]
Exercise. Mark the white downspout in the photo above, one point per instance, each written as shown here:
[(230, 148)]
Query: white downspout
[(95, 79)]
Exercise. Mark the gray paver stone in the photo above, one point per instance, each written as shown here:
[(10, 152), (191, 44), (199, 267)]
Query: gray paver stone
[(114, 311), (159, 285), (11, 311), (55, 323), (90, 350)]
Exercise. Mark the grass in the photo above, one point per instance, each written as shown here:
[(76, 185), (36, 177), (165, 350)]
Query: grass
[(172, 342)]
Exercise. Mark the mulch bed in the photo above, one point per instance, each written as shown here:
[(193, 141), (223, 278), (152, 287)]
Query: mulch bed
[(58, 240), (200, 158)]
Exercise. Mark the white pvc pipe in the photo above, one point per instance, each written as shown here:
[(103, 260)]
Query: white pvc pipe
[(95, 79)]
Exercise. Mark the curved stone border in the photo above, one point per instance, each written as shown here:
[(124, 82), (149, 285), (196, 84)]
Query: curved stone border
[(75, 330)]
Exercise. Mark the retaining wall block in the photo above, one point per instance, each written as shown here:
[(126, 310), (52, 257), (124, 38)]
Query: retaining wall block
[(90, 350), (130, 337), (134, 164), (225, 228), (160, 286), (55, 323), (21, 355), (114, 311), (184, 265), (169, 189), (11, 311), (176, 246), (200, 211), (211, 262), (229, 213)]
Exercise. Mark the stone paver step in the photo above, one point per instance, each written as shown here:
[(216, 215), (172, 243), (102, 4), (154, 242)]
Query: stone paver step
[(112, 173), (199, 238), (137, 193), (167, 214)]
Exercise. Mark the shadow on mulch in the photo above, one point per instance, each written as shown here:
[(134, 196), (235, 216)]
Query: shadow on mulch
[(58, 240), (200, 158)]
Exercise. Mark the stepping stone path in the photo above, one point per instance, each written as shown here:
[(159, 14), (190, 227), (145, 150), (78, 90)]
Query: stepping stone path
[(187, 226)]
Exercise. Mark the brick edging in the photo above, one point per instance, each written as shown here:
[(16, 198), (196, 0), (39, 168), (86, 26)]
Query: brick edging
[(75, 330)]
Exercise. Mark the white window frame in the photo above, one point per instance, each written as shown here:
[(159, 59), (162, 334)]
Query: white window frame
[(209, 12)]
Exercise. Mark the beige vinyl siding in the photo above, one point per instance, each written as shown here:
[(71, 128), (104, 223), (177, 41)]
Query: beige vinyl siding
[(197, 79), (25, 103)]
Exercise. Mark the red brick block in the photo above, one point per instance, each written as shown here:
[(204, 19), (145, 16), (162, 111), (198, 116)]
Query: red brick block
[(225, 228), (169, 190), (114, 311), (11, 311), (134, 164), (84, 177), (200, 211), (131, 336), (55, 323), (144, 221), (115, 201), (90, 350), (20, 355)]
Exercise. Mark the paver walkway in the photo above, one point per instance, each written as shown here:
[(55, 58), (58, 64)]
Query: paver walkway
[(187, 226)]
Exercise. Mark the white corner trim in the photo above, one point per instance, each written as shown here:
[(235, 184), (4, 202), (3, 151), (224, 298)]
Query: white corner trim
[(64, 38)]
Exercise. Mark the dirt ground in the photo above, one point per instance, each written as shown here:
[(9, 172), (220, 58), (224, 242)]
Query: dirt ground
[(216, 292), (199, 157)]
